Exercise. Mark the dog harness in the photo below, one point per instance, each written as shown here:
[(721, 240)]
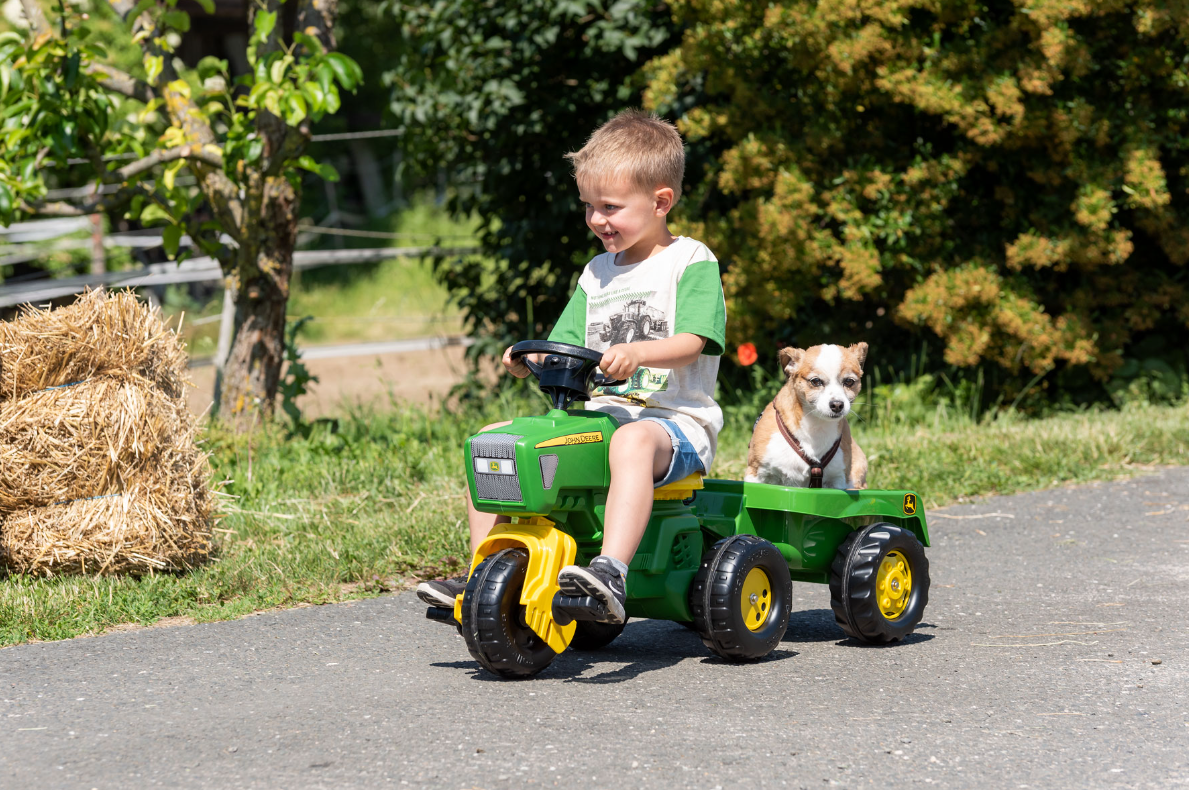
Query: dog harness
[(816, 468)]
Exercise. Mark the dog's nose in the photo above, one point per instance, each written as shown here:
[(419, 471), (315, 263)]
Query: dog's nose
[(836, 406)]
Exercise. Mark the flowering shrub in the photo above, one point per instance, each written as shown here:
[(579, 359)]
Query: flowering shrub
[(1007, 178)]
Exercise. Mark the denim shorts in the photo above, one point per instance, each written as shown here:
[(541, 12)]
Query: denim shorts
[(685, 458)]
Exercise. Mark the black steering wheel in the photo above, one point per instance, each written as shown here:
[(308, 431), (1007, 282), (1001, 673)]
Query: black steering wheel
[(567, 373)]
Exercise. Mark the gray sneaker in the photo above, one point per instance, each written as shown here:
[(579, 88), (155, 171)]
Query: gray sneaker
[(441, 592), (600, 581)]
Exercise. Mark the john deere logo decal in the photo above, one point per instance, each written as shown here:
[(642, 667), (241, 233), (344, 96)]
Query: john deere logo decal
[(493, 466), (573, 438), (910, 504)]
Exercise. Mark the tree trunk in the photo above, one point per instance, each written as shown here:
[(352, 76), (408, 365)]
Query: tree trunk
[(253, 368)]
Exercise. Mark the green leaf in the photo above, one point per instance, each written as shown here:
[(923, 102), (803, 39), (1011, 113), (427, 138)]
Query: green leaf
[(207, 5), (255, 149), (178, 20), (5, 80), (296, 105), (307, 162), (5, 200), (309, 42), (153, 213), (276, 71), (172, 237), (344, 70), (153, 66), (211, 66), (264, 24)]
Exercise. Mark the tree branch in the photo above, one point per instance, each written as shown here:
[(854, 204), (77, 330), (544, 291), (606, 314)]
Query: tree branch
[(196, 153), (316, 18), (122, 83), (35, 16)]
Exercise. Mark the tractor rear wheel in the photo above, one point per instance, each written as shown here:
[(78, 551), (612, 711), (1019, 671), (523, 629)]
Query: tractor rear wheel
[(879, 584), (493, 618), (740, 598), (593, 636)]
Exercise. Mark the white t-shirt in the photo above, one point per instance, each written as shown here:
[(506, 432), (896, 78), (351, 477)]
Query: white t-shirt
[(677, 290)]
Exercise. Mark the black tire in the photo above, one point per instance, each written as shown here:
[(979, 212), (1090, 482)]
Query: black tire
[(493, 618), (645, 327), (593, 636), (716, 598), (854, 580)]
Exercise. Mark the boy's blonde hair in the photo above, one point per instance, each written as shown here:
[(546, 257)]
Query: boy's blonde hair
[(637, 145)]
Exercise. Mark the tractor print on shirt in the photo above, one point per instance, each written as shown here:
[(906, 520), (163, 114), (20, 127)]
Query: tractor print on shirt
[(637, 321)]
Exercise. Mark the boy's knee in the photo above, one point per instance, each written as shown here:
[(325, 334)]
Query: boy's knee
[(635, 438), (495, 425)]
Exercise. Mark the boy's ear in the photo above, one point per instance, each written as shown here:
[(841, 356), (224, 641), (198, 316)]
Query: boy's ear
[(665, 200), (789, 357), (860, 352)]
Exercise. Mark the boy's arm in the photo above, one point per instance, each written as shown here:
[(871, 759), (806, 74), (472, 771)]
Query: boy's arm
[(570, 328), (621, 361)]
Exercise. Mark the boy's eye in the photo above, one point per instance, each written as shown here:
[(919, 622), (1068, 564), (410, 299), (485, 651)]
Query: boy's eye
[(609, 207)]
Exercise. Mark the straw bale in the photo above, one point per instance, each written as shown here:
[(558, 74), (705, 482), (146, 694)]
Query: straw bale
[(100, 334), (84, 440), (160, 522)]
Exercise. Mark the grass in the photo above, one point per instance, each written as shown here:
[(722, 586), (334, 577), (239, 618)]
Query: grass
[(350, 513), (390, 300)]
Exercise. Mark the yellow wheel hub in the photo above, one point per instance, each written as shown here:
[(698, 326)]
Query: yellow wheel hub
[(893, 584), (756, 600)]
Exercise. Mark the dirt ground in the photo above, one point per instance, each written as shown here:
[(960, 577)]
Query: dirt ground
[(410, 376)]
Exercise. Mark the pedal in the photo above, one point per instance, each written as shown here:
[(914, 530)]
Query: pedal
[(440, 614), (568, 608)]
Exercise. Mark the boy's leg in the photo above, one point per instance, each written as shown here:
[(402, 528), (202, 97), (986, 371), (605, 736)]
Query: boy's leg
[(641, 453), (442, 592)]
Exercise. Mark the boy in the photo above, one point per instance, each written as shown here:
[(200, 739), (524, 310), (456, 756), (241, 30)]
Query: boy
[(653, 304)]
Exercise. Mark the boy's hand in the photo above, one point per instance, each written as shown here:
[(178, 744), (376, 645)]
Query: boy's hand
[(622, 360), (516, 368)]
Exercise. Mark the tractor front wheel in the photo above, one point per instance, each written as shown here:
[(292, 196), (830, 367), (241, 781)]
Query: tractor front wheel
[(493, 618), (740, 598), (879, 584)]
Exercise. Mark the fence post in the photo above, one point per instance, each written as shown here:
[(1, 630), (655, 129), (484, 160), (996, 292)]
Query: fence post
[(98, 254)]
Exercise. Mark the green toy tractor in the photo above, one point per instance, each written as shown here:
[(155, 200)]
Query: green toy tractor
[(718, 555)]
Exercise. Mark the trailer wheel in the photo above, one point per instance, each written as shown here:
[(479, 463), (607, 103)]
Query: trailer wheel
[(740, 598), (593, 636), (879, 584), (493, 618)]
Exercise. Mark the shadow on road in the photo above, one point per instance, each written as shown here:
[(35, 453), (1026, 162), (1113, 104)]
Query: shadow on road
[(813, 625)]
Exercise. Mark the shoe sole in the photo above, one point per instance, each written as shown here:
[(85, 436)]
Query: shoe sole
[(579, 581), (432, 596)]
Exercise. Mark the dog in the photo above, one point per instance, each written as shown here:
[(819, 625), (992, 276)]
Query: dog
[(803, 439)]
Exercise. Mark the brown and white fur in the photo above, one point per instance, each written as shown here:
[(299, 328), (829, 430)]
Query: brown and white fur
[(823, 382)]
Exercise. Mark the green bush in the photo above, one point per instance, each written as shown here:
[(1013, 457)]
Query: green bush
[(1005, 180)]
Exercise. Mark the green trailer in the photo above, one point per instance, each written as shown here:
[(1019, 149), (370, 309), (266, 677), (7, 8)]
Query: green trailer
[(718, 555)]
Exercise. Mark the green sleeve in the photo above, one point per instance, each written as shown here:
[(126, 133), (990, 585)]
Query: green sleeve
[(701, 309), (571, 325)]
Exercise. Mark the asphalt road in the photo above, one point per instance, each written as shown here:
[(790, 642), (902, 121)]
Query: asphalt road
[(1036, 667)]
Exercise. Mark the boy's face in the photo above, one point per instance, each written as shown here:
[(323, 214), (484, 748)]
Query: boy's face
[(622, 215)]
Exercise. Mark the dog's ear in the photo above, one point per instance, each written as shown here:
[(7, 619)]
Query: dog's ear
[(789, 357), (860, 352)]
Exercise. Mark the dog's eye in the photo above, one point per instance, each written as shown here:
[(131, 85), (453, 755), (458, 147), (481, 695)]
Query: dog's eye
[(815, 381), (849, 382)]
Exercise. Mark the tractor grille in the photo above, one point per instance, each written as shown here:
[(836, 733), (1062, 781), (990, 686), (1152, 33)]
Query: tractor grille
[(548, 470), (498, 487)]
